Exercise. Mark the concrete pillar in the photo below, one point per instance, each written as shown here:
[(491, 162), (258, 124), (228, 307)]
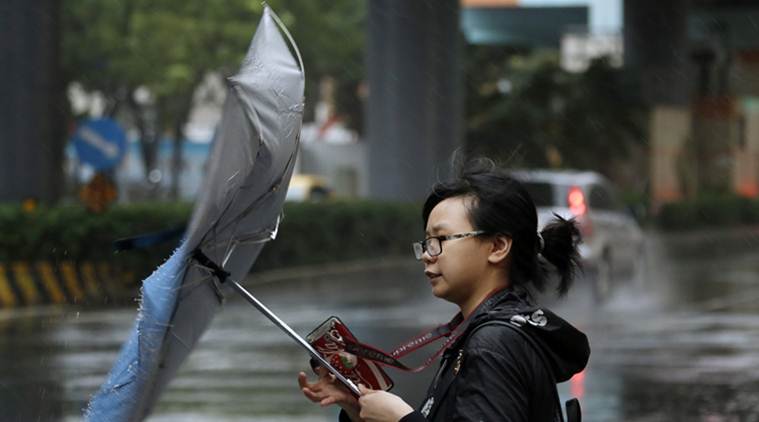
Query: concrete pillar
[(656, 58), (670, 131), (414, 109), (656, 51), (31, 101), (746, 171)]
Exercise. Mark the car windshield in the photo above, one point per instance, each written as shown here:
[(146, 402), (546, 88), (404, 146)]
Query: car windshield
[(296, 193), (542, 193)]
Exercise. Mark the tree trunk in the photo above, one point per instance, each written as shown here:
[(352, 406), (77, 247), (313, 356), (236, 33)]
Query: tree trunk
[(176, 159), (178, 143), (147, 134)]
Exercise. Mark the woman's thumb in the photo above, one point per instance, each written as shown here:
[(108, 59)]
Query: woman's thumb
[(364, 390)]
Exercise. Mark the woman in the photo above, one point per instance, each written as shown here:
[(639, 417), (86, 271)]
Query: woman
[(482, 252)]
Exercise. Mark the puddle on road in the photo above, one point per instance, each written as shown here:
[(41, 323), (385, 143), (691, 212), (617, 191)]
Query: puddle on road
[(683, 345)]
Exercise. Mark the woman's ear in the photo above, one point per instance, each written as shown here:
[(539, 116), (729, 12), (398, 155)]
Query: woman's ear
[(500, 249)]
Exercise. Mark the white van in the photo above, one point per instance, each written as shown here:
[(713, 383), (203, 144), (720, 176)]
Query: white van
[(612, 247)]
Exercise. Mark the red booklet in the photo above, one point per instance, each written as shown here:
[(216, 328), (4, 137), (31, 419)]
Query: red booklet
[(329, 340)]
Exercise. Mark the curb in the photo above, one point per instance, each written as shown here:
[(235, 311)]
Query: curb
[(25, 283)]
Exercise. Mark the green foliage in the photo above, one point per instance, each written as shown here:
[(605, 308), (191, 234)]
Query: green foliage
[(526, 110), (164, 45), (330, 36), (72, 233), (709, 211), (636, 203), (314, 233), (168, 46), (311, 233)]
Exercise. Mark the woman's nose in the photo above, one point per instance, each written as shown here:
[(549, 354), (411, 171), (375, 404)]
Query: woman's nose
[(426, 257)]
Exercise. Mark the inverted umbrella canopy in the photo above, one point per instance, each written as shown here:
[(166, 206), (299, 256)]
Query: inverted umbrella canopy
[(237, 212)]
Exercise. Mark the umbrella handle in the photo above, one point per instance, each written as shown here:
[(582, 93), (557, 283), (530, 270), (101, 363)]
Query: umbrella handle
[(224, 277), (298, 339)]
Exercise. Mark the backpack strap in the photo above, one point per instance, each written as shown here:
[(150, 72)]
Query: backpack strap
[(574, 413), (573, 405)]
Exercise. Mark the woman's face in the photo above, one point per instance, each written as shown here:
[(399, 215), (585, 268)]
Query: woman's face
[(454, 274)]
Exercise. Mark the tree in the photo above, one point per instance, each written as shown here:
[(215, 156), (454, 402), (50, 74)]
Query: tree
[(526, 110), (167, 47), (330, 35)]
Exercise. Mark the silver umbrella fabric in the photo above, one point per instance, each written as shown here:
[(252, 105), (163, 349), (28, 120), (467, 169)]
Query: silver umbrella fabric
[(237, 212)]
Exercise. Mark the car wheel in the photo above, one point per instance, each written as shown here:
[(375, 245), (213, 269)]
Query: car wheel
[(640, 269), (602, 279)]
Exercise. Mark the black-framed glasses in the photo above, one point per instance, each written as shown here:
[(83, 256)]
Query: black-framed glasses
[(434, 245)]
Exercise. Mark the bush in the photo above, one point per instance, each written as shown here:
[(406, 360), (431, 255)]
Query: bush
[(72, 233), (310, 233), (709, 211), (337, 231)]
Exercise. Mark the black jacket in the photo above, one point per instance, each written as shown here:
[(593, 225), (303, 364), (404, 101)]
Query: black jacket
[(496, 372)]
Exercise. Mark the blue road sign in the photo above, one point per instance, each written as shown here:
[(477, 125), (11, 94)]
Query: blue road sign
[(100, 143)]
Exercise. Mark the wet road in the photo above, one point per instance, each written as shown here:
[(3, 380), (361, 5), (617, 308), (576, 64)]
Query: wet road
[(680, 344)]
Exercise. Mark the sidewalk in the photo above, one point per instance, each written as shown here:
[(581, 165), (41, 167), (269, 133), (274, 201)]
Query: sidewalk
[(709, 242)]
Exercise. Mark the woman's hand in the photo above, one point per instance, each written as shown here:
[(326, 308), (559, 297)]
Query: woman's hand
[(381, 406), (327, 391)]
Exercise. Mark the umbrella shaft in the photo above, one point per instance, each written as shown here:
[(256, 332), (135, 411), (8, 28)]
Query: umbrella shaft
[(286, 328)]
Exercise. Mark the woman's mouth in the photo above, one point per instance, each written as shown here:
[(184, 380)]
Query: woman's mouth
[(432, 276)]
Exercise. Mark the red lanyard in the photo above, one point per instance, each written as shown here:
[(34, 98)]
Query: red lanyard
[(453, 330)]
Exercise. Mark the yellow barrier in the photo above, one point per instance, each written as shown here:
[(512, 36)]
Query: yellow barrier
[(90, 282), (70, 280), (7, 297), (22, 283), (50, 281)]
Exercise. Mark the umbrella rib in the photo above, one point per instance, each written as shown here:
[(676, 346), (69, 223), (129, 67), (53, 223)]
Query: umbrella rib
[(261, 236), (244, 213), (254, 112), (290, 161), (271, 190), (290, 38), (231, 243), (180, 341), (214, 227)]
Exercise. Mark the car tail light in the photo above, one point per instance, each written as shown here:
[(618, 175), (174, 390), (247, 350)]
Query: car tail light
[(577, 385), (576, 201), (579, 209)]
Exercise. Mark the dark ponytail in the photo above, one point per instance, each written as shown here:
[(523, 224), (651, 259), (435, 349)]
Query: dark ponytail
[(502, 206), (560, 239)]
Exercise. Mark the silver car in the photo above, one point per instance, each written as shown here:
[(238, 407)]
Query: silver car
[(612, 247)]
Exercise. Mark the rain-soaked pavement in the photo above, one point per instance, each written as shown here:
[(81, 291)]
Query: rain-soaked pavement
[(680, 344)]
